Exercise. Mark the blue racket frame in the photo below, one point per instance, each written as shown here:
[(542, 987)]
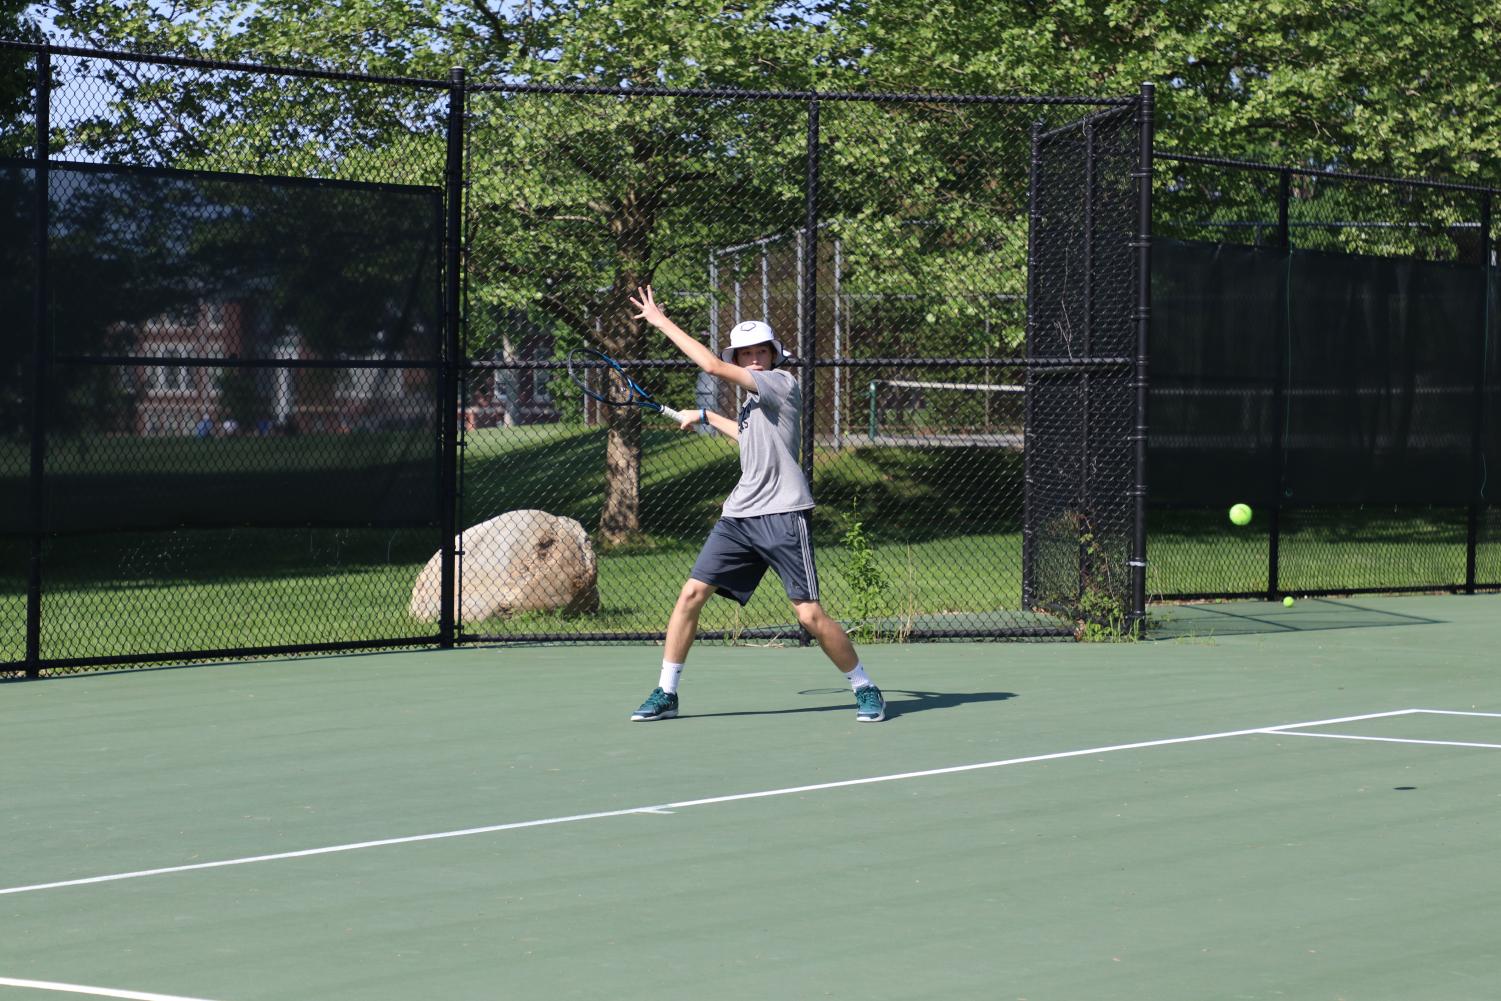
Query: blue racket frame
[(591, 358)]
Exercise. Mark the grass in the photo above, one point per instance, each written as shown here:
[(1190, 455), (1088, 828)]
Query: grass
[(132, 618), (92, 618), (116, 594), (943, 524), (159, 482), (1320, 550), (978, 576), (902, 494), (105, 454)]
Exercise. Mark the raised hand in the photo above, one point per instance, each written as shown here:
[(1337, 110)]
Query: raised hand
[(649, 310)]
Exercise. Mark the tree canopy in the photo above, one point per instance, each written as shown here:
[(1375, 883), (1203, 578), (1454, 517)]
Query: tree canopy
[(574, 200), (1401, 86), (16, 75)]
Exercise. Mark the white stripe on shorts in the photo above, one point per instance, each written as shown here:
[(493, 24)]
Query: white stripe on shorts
[(808, 567)]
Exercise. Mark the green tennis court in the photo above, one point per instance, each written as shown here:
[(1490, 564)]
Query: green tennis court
[(1266, 802)]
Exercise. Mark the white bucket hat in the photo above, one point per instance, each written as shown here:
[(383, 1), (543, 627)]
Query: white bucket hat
[(752, 332)]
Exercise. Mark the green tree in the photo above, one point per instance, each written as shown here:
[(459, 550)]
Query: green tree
[(17, 73), (1392, 86), (1396, 85), (574, 201)]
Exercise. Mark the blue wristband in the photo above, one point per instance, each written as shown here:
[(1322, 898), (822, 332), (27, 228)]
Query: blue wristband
[(703, 415)]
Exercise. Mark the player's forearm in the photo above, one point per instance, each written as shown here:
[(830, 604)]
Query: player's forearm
[(726, 426), (696, 351), (690, 346)]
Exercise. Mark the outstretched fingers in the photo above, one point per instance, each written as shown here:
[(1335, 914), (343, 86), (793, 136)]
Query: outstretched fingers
[(646, 303)]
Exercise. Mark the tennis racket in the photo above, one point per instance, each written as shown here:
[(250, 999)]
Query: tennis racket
[(602, 378)]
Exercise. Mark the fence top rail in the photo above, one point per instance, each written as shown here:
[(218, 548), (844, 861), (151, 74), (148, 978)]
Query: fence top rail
[(916, 97), (1329, 224), (180, 173), (1337, 175), (200, 62)]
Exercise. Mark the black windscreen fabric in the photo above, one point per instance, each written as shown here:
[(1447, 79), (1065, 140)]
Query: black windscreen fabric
[(347, 270), (1374, 389), (1217, 313), (364, 457), (236, 351), (17, 333), (1489, 474), (1381, 383), (17, 285)]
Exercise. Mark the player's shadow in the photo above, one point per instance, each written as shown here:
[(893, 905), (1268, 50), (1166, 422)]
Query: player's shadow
[(899, 702)]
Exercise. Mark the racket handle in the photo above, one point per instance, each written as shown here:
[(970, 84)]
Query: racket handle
[(674, 415)]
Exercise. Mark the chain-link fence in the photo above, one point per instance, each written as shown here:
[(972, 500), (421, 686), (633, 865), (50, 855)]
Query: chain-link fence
[(259, 314), (885, 239), (285, 364), (223, 359), (1324, 349), (1084, 552), (285, 369)]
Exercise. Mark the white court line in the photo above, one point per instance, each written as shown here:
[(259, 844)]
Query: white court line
[(1457, 712), (1389, 740), (98, 992), (683, 804)]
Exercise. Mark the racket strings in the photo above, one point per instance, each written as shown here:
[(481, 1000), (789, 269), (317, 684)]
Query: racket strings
[(594, 373), (613, 384)]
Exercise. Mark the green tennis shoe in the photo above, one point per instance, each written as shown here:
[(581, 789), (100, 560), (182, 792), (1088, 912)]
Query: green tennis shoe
[(658, 705), (870, 707)]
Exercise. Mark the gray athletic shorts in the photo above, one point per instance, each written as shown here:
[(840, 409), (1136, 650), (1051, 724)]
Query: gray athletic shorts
[(738, 551)]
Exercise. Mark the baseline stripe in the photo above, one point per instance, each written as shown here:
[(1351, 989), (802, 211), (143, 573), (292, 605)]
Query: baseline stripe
[(98, 992), (1457, 712), (684, 804), (1389, 740)]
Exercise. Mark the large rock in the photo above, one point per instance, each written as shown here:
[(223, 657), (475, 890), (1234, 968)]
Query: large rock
[(519, 561)]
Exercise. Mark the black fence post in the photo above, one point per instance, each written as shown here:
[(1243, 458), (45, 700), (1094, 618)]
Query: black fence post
[(39, 362), (807, 340), (1034, 222), (1136, 620), (1279, 391), (1086, 498), (448, 389), (807, 335), (1477, 439)]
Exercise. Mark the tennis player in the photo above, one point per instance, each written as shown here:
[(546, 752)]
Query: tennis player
[(766, 518)]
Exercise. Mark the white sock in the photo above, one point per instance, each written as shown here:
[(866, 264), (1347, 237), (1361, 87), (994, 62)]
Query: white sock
[(858, 678), (670, 674)]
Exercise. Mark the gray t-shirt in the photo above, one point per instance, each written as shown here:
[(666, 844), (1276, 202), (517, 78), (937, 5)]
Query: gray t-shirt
[(771, 428)]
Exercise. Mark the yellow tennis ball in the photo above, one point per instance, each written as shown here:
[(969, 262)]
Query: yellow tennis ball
[(1287, 602), (1240, 514)]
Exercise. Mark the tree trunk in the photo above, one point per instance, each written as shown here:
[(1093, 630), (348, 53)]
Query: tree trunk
[(621, 338), (621, 517)]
